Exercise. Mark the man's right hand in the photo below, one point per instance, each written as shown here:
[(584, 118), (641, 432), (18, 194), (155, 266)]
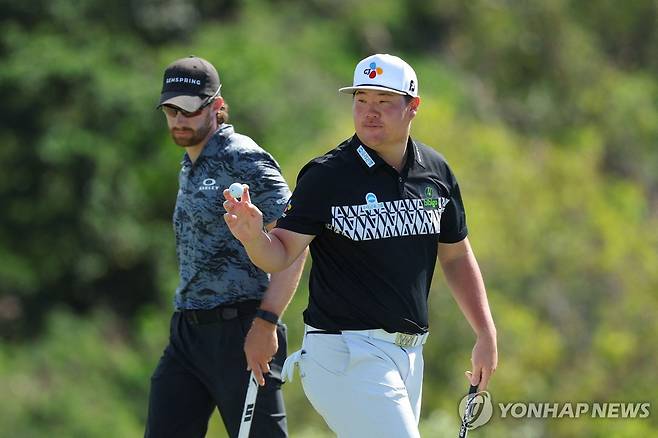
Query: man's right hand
[(260, 346), (243, 218)]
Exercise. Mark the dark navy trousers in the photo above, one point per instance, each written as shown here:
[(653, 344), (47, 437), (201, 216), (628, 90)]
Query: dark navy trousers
[(204, 367)]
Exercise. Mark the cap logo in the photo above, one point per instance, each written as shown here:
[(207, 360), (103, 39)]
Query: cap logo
[(184, 80), (373, 71), (412, 86)]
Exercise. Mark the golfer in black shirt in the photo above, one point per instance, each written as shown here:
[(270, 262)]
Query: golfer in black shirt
[(377, 212)]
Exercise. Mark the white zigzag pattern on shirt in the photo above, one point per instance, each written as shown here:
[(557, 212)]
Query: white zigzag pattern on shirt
[(404, 217)]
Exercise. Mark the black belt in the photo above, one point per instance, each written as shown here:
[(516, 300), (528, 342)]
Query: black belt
[(224, 312), (324, 332)]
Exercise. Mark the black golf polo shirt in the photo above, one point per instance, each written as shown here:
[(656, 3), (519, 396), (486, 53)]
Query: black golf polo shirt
[(376, 235)]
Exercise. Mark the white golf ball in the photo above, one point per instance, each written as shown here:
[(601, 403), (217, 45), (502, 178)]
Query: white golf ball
[(235, 190)]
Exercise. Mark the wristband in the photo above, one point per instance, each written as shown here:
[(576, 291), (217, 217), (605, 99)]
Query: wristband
[(268, 316)]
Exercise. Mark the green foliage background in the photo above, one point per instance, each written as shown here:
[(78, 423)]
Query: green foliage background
[(546, 110)]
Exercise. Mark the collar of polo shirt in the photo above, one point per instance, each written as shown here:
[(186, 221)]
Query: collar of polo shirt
[(370, 159)]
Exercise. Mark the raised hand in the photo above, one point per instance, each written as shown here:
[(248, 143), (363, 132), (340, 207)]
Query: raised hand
[(243, 218)]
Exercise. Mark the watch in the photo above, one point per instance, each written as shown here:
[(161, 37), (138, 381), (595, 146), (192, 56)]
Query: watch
[(268, 316)]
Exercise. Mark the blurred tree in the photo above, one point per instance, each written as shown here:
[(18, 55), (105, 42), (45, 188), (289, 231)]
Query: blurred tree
[(80, 130)]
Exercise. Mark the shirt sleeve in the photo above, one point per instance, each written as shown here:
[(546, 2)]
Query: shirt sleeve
[(453, 218), (267, 187), (309, 209)]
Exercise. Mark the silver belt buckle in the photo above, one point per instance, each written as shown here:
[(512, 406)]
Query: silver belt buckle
[(405, 340)]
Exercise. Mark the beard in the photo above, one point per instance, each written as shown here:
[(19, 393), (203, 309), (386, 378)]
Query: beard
[(190, 137)]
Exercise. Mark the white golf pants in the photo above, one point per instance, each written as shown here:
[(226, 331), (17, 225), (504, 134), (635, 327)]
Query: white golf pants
[(363, 387)]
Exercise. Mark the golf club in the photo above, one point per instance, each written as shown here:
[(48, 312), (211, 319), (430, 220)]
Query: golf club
[(463, 430), (249, 406)]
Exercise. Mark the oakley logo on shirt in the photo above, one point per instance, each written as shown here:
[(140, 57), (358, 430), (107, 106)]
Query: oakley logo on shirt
[(209, 184)]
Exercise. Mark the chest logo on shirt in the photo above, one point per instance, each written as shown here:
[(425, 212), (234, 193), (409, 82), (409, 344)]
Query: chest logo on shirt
[(432, 203), (365, 156), (208, 184), (371, 202)]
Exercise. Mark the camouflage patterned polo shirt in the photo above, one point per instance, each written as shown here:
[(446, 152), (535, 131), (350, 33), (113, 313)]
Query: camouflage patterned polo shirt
[(214, 267)]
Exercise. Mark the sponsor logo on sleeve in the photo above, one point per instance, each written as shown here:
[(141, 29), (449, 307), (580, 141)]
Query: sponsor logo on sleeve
[(287, 209)]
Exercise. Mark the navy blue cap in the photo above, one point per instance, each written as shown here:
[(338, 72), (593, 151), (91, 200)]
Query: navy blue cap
[(188, 83)]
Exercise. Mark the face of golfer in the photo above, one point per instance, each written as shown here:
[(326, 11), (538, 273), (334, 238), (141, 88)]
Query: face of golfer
[(382, 119), (192, 129)]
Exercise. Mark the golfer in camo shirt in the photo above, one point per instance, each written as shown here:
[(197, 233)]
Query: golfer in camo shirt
[(226, 319)]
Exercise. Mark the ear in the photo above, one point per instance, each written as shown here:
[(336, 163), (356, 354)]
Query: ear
[(218, 103), (413, 106)]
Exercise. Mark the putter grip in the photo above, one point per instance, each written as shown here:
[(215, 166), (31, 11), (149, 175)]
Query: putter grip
[(463, 429)]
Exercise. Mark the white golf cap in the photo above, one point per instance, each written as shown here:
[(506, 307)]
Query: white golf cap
[(384, 72)]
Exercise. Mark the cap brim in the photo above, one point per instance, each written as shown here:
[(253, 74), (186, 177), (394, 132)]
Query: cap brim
[(352, 90), (182, 101)]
